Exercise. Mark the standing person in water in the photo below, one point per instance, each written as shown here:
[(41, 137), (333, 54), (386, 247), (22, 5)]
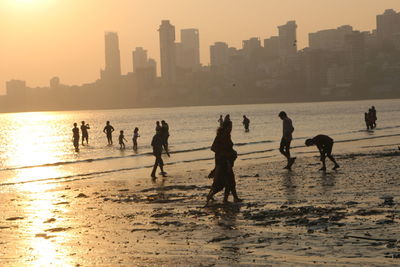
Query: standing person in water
[(225, 157), (374, 118), (75, 136), (220, 120), (287, 137), (165, 136), (324, 144), (121, 139), (367, 121), (85, 133), (134, 138), (246, 123), (157, 144), (108, 130)]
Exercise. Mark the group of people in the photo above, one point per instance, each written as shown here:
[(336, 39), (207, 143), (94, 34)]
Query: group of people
[(370, 118), (225, 156), (108, 130), (246, 122)]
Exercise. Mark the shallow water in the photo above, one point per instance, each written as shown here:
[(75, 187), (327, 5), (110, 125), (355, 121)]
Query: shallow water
[(38, 146)]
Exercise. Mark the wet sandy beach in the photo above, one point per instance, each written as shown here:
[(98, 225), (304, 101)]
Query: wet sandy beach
[(303, 217)]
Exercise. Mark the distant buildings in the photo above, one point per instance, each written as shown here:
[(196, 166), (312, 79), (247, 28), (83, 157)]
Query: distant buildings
[(112, 69), (16, 88), (388, 26), (167, 52), (271, 47), (288, 39), (219, 54), (332, 39), (188, 50)]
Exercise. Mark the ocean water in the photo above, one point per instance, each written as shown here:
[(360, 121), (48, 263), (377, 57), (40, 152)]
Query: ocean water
[(38, 146)]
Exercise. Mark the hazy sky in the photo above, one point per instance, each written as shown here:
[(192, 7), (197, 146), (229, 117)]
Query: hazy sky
[(45, 38)]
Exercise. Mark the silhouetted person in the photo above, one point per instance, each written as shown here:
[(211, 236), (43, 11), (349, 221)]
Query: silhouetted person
[(157, 144), (85, 133), (158, 126), (370, 118), (367, 121), (373, 116), (135, 137), (225, 157), (228, 123), (220, 120), (121, 139), (246, 123), (287, 137), (165, 135), (75, 136), (108, 130), (324, 144)]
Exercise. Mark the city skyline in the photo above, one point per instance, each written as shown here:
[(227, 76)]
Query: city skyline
[(26, 61)]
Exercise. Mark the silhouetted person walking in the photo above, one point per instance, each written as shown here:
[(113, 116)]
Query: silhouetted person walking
[(287, 137), (165, 135), (225, 157), (85, 133), (75, 136), (246, 123), (108, 130), (324, 144), (121, 139), (135, 137), (157, 144)]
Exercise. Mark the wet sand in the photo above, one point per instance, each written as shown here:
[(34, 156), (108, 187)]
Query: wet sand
[(303, 217)]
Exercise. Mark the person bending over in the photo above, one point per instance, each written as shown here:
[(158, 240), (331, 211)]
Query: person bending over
[(324, 144)]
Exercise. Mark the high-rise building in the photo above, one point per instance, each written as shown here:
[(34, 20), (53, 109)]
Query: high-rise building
[(139, 58), (288, 39), (271, 47), (190, 48), (250, 46), (388, 25), (331, 39), (113, 60), (355, 54), (167, 52), (219, 54)]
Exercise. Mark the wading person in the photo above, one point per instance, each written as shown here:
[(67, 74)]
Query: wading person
[(287, 137), (85, 133), (121, 139), (246, 123), (75, 136), (134, 138), (324, 144), (157, 144), (225, 157), (108, 130), (220, 120)]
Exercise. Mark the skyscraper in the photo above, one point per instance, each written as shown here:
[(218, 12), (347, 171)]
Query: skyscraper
[(271, 47), (113, 60), (219, 54), (250, 46), (190, 42), (139, 58), (167, 52), (288, 39), (388, 25)]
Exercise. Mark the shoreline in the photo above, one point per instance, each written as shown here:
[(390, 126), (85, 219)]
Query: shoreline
[(348, 217)]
